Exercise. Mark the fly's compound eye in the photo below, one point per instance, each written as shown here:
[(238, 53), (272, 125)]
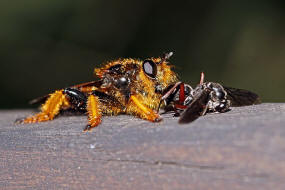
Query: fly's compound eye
[(149, 68)]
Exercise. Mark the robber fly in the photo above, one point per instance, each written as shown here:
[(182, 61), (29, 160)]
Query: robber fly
[(125, 86), (190, 104)]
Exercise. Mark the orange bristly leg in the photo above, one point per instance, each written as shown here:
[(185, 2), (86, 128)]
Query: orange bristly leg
[(94, 112), (50, 108), (145, 112)]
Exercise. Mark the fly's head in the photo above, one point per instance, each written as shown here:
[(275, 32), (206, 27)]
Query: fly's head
[(156, 75)]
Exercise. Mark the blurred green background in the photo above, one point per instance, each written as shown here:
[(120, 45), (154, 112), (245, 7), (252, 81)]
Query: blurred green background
[(48, 44)]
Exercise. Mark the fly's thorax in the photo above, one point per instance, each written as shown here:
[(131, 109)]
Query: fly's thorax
[(118, 74)]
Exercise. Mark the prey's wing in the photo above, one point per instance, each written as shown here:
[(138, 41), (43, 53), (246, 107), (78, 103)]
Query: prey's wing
[(197, 107), (240, 97), (87, 84)]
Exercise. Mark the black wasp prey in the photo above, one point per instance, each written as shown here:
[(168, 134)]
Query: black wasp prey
[(191, 103)]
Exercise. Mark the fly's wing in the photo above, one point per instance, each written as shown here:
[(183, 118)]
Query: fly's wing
[(39, 100), (240, 97), (197, 108), (97, 84), (87, 84)]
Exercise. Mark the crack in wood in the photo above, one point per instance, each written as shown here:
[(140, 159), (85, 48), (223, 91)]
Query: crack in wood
[(168, 163)]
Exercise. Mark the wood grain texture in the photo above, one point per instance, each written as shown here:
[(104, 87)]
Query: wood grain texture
[(240, 149)]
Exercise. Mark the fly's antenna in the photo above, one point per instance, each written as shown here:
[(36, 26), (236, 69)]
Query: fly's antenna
[(166, 56), (202, 78)]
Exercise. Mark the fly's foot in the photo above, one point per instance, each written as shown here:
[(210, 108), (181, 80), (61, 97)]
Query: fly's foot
[(87, 128), (19, 120), (34, 119), (157, 119)]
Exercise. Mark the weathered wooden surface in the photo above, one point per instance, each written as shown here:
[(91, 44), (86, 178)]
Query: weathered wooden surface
[(240, 149)]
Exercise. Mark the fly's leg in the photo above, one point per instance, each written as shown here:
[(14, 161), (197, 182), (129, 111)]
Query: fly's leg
[(49, 109), (67, 98), (94, 112), (139, 109), (76, 98)]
